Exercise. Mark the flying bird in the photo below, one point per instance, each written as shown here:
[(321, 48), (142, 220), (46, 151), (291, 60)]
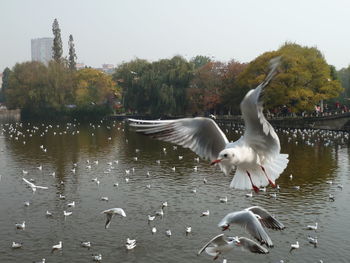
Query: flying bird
[(33, 186), (256, 156), (221, 244), (252, 220), (110, 213)]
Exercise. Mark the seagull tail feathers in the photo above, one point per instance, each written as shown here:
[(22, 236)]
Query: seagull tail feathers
[(273, 167)]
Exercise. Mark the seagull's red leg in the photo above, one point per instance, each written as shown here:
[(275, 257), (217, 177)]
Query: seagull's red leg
[(268, 179), (256, 189), (217, 256)]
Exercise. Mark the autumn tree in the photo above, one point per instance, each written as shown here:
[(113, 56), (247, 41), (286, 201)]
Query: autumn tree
[(304, 78), (57, 50), (204, 93), (72, 55), (93, 87)]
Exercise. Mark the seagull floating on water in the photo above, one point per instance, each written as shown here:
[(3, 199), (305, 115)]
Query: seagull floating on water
[(256, 155), (97, 258), (294, 246), (16, 245), (21, 226), (57, 247), (312, 227), (86, 244)]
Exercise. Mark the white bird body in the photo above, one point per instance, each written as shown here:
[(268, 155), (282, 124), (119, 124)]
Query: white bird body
[(312, 240), (16, 245), (86, 244), (294, 246), (97, 258), (256, 156), (130, 241), (130, 246), (312, 227), (206, 213), (57, 247), (111, 212), (188, 230), (65, 213), (72, 204), (168, 233), (21, 225), (154, 230), (151, 218)]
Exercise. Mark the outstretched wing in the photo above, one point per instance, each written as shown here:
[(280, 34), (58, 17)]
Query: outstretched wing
[(108, 220), (29, 183), (266, 218), (252, 246), (218, 240), (201, 135), (259, 134), (250, 223)]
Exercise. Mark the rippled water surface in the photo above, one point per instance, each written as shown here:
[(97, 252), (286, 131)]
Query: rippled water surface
[(316, 158)]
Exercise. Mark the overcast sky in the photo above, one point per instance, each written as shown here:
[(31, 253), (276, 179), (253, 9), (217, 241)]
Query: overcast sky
[(113, 31)]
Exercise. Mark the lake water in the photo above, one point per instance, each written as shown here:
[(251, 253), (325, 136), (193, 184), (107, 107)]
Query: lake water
[(316, 157)]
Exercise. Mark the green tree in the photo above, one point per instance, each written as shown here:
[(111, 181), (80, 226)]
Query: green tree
[(72, 55), (344, 78), (57, 42), (27, 87), (128, 78), (199, 61), (5, 84), (60, 85)]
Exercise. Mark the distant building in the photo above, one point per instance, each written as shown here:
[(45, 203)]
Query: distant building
[(107, 68), (42, 49), (80, 66), (1, 80)]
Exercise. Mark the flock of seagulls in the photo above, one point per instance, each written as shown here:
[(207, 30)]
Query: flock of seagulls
[(253, 220), (255, 159)]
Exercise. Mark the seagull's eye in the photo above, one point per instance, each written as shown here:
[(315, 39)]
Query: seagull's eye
[(225, 155)]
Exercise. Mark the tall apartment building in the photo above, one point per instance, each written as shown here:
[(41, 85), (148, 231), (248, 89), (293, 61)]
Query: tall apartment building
[(42, 49)]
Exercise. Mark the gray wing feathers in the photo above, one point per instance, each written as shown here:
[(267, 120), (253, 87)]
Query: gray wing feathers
[(201, 135), (259, 133), (218, 240), (108, 221), (251, 224), (266, 218), (252, 246)]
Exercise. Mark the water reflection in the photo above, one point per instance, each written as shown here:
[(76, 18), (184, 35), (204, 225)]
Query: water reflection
[(312, 164)]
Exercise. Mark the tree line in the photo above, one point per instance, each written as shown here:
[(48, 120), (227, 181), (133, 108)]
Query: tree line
[(174, 86), (201, 86), (58, 88)]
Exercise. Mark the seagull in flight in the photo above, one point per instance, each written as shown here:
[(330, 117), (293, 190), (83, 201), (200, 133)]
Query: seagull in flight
[(221, 244), (256, 155), (111, 212), (252, 220), (33, 186)]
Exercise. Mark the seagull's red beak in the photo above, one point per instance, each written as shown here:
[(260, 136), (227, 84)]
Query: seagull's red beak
[(215, 161)]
